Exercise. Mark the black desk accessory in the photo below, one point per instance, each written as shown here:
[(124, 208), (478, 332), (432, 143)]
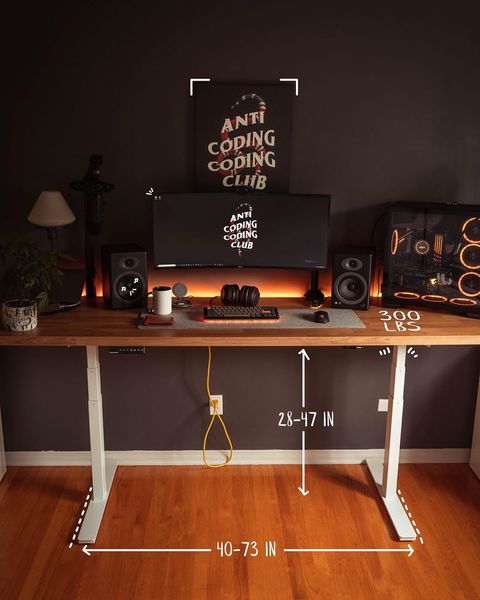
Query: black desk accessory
[(432, 257), (180, 292), (314, 295), (93, 189), (321, 316)]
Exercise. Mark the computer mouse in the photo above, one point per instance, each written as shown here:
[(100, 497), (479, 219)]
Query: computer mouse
[(321, 316)]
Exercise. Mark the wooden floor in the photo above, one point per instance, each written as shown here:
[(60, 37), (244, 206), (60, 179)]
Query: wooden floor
[(195, 507)]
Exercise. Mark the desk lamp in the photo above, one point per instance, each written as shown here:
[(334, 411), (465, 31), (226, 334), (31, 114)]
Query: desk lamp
[(49, 212)]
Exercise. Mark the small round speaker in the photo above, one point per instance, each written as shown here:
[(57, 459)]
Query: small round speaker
[(180, 290), (351, 288), (129, 263), (352, 264)]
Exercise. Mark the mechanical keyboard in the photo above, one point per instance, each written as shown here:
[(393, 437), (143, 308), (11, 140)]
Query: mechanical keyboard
[(235, 313)]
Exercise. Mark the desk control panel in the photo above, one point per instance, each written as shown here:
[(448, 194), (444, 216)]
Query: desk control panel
[(126, 350)]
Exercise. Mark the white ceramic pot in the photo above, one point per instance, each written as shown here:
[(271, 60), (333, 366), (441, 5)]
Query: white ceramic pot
[(20, 315)]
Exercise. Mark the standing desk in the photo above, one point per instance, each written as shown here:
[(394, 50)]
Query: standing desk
[(92, 326)]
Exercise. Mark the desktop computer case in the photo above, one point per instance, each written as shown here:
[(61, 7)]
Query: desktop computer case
[(432, 257)]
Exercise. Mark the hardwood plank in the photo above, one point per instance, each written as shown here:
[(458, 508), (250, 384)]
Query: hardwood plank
[(196, 507), (93, 324)]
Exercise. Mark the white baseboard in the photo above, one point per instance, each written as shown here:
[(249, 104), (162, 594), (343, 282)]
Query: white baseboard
[(240, 457)]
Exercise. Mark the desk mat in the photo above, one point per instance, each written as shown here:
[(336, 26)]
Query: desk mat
[(290, 318)]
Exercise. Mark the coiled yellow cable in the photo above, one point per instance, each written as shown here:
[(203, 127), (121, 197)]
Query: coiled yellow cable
[(216, 414)]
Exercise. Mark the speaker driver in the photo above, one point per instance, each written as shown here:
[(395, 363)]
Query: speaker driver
[(130, 286), (352, 264), (129, 262), (351, 288), (470, 256)]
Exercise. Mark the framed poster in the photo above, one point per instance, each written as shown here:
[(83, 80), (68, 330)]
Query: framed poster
[(242, 136)]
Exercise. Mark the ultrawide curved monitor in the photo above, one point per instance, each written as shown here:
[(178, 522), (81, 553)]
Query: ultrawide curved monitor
[(241, 230)]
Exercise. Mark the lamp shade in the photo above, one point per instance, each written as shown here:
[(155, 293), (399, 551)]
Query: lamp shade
[(51, 210)]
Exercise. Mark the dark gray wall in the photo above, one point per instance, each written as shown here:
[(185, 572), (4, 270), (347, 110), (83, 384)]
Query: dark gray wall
[(388, 109)]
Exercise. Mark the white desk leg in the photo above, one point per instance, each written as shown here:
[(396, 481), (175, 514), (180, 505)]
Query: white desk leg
[(475, 454), (3, 460), (385, 476), (102, 472)]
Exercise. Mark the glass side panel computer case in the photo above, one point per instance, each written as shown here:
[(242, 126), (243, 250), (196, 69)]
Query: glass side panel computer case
[(432, 257)]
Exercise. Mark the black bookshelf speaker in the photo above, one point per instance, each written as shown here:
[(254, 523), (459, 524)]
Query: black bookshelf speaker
[(352, 277), (124, 276)]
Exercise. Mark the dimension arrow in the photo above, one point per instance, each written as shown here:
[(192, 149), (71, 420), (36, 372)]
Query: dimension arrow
[(302, 489), (304, 356), (88, 550), (408, 549)]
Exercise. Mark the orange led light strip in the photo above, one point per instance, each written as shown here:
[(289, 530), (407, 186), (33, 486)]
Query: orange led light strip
[(434, 298), (463, 301), (407, 295), (394, 242)]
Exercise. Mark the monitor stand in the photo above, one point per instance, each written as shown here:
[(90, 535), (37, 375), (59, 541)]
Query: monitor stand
[(314, 295)]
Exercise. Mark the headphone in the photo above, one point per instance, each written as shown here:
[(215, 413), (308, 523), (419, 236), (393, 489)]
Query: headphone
[(232, 295)]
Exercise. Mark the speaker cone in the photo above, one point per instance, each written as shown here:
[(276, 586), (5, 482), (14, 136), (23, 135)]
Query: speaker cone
[(351, 288)]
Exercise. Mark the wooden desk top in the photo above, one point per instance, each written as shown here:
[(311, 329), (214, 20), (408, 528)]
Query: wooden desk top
[(93, 325)]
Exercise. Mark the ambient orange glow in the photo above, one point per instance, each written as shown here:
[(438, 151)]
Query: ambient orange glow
[(207, 283)]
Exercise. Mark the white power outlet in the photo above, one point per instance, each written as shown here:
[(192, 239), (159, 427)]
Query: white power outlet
[(383, 405), (219, 399)]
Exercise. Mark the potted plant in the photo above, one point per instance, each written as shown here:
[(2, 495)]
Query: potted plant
[(27, 277)]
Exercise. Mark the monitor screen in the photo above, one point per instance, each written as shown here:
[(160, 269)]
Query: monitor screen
[(241, 230)]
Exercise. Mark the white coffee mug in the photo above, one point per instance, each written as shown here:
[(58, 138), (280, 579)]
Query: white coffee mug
[(162, 300)]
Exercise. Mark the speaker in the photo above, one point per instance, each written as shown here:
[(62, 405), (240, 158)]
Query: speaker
[(352, 276), (124, 276)]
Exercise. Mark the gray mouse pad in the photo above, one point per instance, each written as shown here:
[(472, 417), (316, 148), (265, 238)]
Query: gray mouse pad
[(290, 318)]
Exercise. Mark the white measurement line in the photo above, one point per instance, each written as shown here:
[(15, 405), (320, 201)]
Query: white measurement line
[(88, 550), (412, 520), (294, 79), (408, 549), (192, 81), (302, 488), (304, 356), (79, 522)]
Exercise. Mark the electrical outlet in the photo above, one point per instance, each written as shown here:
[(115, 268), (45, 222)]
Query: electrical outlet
[(382, 404), (219, 399)]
